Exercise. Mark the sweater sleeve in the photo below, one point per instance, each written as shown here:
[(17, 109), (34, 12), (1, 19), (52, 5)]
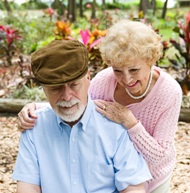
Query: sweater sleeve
[(160, 120)]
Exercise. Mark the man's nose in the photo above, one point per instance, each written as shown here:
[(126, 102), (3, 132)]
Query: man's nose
[(66, 94)]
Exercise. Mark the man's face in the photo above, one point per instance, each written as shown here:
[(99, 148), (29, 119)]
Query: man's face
[(69, 100)]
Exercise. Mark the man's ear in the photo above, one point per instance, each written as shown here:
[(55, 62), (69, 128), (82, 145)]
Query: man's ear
[(88, 75)]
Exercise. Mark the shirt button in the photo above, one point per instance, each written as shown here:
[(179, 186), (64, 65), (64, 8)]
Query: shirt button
[(73, 139), (75, 183), (73, 161)]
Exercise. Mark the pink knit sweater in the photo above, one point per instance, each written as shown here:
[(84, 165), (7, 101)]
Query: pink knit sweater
[(158, 116)]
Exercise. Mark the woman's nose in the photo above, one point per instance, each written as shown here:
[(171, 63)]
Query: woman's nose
[(127, 78)]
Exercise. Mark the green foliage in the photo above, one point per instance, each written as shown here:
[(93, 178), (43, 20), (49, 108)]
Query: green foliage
[(1, 6), (166, 23), (33, 94), (114, 5), (122, 6), (33, 30), (34, 5), (182, 45), (38, 29), (14, 6), (41, 43), (159, 4)]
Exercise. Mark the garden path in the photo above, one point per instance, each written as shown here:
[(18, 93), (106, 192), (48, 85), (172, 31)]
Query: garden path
[(9, 140)]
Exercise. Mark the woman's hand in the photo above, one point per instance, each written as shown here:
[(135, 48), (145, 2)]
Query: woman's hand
[(117, 113), (27, 117)]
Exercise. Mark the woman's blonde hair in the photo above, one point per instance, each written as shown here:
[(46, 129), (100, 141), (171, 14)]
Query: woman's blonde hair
[(129, 40)]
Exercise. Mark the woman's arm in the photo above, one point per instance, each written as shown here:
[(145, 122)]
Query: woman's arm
[(27, 116), (154, 127)]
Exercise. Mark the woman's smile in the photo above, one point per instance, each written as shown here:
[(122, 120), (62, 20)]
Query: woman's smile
[(131, 85)]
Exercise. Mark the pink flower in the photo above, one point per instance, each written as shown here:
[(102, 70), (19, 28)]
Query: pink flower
[(88, 5), (85, 35), (187, 28), (96, 42), (49, 11)]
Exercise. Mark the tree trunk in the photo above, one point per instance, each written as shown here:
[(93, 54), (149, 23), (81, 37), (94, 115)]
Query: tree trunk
[(12, 105), (7, 6), (184, 115), (164, 10), (72, 10), (81, 8), (153, 6), (144, 5), (103, 5), (93, 16), (58, 5)]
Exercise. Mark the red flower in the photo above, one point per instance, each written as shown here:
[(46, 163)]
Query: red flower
[(49, 11), (11, 34)]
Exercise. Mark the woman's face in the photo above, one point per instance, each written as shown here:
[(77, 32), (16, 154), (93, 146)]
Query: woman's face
[(134, 77)]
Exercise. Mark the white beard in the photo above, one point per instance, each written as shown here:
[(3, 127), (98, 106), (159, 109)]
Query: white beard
[(70, 115)]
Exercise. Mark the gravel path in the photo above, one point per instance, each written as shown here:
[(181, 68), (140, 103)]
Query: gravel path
[(9, 139)]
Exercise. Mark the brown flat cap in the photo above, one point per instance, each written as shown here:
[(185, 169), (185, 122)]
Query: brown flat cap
[(60, 62)]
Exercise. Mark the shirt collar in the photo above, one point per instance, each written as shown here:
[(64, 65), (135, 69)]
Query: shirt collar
[(86, 116)]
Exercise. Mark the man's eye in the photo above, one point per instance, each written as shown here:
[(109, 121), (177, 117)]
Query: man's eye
[(74, 85), (54, 88)]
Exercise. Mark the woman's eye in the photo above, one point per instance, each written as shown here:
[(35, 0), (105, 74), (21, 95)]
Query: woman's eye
[(134, 70), (117, 71)]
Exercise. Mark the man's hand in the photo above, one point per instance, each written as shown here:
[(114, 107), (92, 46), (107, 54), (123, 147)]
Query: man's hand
[(134, 189), (23, 187)]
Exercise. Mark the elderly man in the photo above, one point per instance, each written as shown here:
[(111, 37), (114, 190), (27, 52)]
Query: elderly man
[(70, 150)]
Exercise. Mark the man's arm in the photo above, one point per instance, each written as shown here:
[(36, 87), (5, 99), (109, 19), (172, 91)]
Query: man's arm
[(134, 189), (23, 187)]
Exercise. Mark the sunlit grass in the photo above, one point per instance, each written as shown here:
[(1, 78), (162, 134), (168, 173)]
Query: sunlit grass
[(167, 34)]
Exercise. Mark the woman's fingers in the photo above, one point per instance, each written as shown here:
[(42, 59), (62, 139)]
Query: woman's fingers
[(27, 117), (109, 110)]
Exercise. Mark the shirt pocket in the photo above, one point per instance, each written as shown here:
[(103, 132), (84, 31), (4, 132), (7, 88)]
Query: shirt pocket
[(100, 178)]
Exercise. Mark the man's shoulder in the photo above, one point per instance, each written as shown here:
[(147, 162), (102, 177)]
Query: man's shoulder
[(46, 115), (106, 124), (44, 111)]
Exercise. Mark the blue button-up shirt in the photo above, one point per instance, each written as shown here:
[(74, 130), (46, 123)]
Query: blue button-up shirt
[(95, 155)]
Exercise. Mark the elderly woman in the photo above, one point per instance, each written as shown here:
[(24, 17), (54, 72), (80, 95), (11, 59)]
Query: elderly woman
[(133, 92)]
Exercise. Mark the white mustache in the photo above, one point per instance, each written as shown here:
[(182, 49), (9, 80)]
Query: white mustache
[(68, 103)]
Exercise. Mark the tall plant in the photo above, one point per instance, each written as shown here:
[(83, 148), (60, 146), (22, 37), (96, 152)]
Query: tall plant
[(182, 59), (91, 39), (8, 37)]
